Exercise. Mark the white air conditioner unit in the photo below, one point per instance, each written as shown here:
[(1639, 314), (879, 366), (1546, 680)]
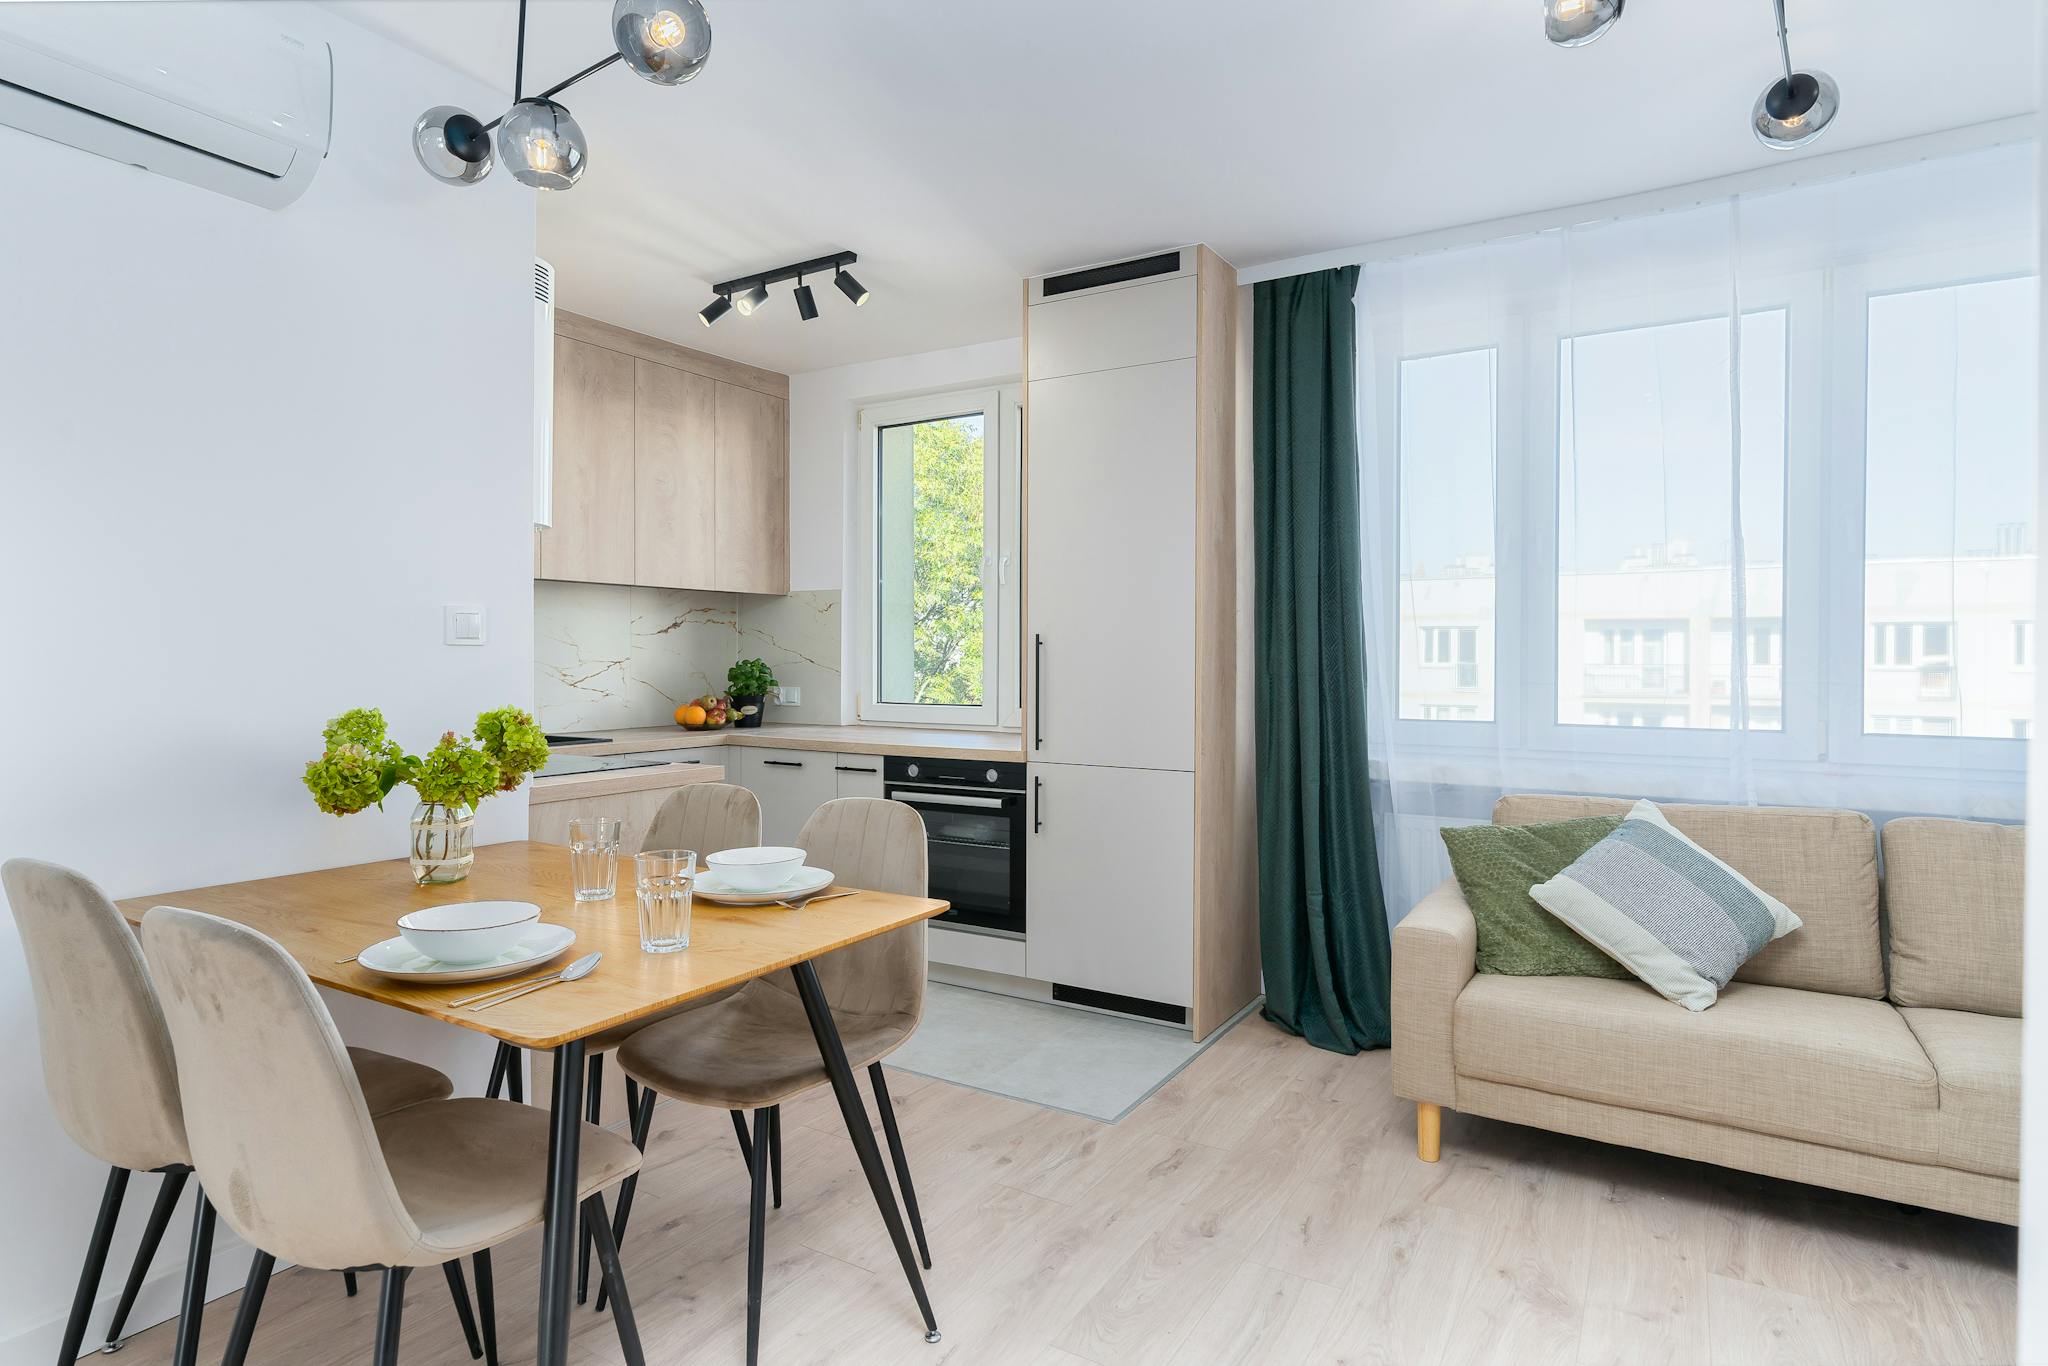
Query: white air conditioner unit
[(543, 393), (224, 101)]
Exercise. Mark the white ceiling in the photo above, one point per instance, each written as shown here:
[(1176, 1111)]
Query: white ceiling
[(961, 145)]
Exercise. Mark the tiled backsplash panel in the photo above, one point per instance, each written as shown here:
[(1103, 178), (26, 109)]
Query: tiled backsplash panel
[(609, 656)]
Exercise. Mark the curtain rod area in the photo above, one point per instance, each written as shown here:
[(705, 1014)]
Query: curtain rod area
[(1810, 170)]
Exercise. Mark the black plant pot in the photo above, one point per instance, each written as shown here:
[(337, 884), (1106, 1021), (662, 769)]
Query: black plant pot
[(748, 720)]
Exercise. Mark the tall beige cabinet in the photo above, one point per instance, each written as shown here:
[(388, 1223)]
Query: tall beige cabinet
[(1140, 856)]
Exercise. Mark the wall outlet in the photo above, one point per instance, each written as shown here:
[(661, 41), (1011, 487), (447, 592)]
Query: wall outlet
[(789, 697)]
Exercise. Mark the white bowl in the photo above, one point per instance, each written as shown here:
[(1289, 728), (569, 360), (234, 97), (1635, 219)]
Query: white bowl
[(468, 931), (759, 869)]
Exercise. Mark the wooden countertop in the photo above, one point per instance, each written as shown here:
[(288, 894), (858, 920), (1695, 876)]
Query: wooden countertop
[(562, 787), (909, 741)]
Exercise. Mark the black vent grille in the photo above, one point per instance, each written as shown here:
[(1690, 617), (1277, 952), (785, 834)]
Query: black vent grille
[(1116, 273)]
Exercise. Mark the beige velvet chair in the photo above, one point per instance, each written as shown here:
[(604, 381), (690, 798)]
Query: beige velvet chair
[(275, 1115), (704, 817), (112, 1081), (755, 1049)]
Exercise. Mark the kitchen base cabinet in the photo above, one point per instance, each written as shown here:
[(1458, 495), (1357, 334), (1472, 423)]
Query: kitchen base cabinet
[(789, 783), (859, 775), (1112, 880)]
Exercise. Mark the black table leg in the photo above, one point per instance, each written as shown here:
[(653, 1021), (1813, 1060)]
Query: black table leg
[(592, 1106), (890, 1132), (855, 1112), (95, 1264), (198, 1260), (560, 1230)]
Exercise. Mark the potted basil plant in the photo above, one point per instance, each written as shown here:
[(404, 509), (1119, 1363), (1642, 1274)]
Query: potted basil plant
[(359, 765), (749, 682)]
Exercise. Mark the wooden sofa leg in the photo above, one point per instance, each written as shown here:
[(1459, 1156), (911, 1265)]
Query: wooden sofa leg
[(1429, 1130)]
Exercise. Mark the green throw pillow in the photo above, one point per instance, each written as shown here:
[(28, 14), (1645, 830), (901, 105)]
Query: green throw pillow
[(1497, 865)]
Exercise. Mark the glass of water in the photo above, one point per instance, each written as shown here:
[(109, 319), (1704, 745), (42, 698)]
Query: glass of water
[(594, 857), (665, 878)]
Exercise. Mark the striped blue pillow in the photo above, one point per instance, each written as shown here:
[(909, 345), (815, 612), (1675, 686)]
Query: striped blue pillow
[(1665, 909)]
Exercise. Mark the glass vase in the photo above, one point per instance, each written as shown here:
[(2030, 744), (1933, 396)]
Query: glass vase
[(443, 843)]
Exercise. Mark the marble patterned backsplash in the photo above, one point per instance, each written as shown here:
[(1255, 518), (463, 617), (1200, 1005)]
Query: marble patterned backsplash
[(608, 656)]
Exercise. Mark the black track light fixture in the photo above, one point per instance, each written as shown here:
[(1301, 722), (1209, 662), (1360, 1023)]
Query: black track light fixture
[(749, 292)]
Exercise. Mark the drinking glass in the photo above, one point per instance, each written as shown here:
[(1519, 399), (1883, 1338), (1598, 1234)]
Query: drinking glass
[(665, 878), (594, 857)]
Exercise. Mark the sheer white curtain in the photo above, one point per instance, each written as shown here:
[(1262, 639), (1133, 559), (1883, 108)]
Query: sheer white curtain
[(1732, 503)]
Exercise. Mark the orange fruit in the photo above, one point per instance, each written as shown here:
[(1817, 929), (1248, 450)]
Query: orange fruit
[(690, 714)]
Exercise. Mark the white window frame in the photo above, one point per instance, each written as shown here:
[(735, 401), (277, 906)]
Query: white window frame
[(1001, 707)]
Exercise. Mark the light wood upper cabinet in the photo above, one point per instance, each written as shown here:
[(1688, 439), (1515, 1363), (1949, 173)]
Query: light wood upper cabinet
[(752, 516), (592, 536), (674, 538), (671, 466)]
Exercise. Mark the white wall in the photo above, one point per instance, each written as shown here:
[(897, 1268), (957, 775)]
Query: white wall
[(245, 457), (825, 461)]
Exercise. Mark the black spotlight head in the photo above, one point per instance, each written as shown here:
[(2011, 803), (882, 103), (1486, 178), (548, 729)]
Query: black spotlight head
[(850, 287), (466, 138), (749, 299), (806, 306), (714, 310)]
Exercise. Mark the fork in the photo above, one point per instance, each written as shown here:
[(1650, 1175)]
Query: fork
[(799, 905)]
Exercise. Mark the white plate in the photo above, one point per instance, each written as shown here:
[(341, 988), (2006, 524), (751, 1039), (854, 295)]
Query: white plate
[(394, 958), (807, 882)]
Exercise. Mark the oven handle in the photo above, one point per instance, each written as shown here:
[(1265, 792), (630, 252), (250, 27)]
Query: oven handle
[(949, 799)]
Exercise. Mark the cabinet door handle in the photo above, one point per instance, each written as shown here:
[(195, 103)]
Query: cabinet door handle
[(1037, 805), (1037, 692), (783, 763), (842, 768)]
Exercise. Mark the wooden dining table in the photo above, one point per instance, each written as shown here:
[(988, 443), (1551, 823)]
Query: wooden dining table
[(323, 918)]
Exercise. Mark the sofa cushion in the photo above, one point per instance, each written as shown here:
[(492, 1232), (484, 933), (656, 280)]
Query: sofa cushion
[(1821, 863), (1665, 909), (1837, 1070), (1977, 1064), (1496, 867), (1955, 893)]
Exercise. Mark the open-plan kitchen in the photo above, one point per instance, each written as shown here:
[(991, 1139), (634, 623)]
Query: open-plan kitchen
[(1090, 686)]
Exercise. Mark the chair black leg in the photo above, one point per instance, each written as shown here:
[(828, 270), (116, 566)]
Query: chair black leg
[(501, 1065), (458, 1290), (775, 1150), (186, 1352), (348, 1281), (614, 1281), (757, 1233), (739, 1126), (889, 1131), (632, 1097), (244, 1331), (515, 1075), (643, 1121), (487, 1305), (593, 1098), (390, 1313), (145, 1252), (95, 1265)]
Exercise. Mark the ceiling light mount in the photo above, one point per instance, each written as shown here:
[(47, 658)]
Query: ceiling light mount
[(664, 41), (749, 292)]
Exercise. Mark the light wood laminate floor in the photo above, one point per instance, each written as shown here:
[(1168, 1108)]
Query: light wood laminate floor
[(1266, 1206)]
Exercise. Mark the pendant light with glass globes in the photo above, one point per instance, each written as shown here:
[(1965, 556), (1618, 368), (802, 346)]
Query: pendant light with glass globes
[(1791, 112), (663, 41)]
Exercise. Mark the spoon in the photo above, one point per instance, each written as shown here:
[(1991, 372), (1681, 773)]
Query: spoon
[(577, 970)]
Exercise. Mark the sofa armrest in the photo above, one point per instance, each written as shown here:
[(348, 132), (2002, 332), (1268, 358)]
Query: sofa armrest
[(1433, 956)]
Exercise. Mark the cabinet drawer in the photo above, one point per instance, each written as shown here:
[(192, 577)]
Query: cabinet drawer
[(1107, 331), (790, 784), (858, 775)]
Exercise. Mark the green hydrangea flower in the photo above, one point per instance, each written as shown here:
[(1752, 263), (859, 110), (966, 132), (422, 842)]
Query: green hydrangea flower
[(358, 726), (455, 773), (346, 779), (514, 743)]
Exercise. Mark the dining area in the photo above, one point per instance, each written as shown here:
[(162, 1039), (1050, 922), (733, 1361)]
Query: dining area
[(186, 1040)]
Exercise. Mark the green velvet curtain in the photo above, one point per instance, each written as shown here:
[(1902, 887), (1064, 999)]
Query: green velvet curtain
[(1322, 916)]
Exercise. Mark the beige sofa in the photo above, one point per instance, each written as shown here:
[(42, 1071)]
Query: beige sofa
[(1810, 1067)]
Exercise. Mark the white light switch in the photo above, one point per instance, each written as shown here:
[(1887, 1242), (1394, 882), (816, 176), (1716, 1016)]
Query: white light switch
[(462, 624), (789, 697)]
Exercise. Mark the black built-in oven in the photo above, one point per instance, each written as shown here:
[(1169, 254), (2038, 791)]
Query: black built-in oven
[(973, 813)]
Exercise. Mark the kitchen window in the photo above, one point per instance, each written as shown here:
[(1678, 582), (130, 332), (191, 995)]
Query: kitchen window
[(944, 500)]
